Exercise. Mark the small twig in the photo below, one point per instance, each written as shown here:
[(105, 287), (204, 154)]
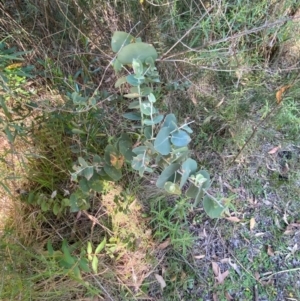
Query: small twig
[(279, 272), (187, 33), (226, 39)]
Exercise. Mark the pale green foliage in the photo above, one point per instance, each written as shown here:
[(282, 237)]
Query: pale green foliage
[(163, 145)]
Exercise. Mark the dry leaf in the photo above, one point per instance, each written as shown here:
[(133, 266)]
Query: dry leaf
[(257, 276), (215, 297), (252, 223), (220, 277), (220, 103), (270, 251), (164, 244), (259, 234), (280, 92), (291, 228), (274, 150), (161, 281), (233, 219), (228, 297), (216, 268), (199, 256)]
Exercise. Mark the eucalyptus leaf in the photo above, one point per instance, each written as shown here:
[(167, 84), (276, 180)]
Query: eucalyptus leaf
[(133, 81), (131, 95), (147, 108), (114, 173), (125, 147), (188, 167), (144, 91), (137, 67), (167, 174), (132, 116), (151, 98), (122, 80), (88, 172), (117, 65), (134, 105), (140, 150), (187, 129), (172, 188), (120, 39), (212, 208), (180, 138), (139, 51), (192, 191), (162, 141), (170, 122), (157, 119)]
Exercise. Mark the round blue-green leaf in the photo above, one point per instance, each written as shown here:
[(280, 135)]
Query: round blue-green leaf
[(162, 141), (157, 119), (212, 208), (139, 51), (180, 138), (170, 122), (167, 174), (172, 188), (132, 116), (120, 39)]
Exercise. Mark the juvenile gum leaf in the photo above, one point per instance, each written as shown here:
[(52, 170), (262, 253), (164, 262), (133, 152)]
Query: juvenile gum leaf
[(125, 146), (120, 82), (133, 81), (132, 116), (112, 172), (162, 141), (139, 51), (192, 191), (134, 105), (188, 167), (88, 172), (166, 174), (147, 108), (172, 188), (120, 39), (180, 138), (131, 95), (212, 209), (151, 98), (170, 122), (100, 246), (157, 119)]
